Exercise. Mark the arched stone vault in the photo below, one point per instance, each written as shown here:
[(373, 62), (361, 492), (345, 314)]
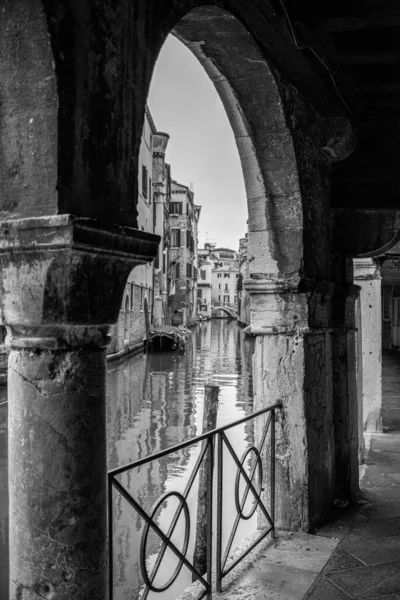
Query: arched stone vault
[(252, 102)]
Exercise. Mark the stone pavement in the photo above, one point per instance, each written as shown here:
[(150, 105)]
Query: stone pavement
[(366, 563)]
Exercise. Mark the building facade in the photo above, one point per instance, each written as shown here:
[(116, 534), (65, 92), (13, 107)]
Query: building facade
[(243, 309), (204, 289), (129, 331), (184, 216), (224, 281), (161, 196), (224, 287)]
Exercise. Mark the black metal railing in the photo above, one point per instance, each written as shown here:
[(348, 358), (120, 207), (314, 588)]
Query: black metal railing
[(215, 443)]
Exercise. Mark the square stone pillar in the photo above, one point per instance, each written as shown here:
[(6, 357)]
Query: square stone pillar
[(292, 363), (366, 274), (347, 390)]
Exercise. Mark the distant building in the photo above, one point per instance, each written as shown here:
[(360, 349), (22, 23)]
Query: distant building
[(244, 273), (224, 278), (223, 257), (184, 216), (224, 287), (147, 282), (161, 196), (204, 287)]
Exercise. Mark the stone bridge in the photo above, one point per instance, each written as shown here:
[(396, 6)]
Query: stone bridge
[(228, 311)]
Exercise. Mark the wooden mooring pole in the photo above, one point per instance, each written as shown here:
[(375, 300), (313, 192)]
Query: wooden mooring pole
[(211, 392)]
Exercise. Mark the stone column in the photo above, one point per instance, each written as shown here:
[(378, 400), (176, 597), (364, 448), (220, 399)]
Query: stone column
[(367, 277), (346, 391), (292, 363), (57, 460), (62, 284)]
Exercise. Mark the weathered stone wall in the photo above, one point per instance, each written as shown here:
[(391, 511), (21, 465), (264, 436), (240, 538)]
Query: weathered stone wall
[(134, 318), (277, 363), (28, 112)]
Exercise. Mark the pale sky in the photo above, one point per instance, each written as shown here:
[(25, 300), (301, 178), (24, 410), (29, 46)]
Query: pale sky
[(202, 149)]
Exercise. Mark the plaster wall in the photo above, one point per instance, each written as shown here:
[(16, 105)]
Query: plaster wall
[(145, 201), (134, 318)]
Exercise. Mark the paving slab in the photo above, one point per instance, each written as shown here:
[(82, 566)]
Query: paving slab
[(364, 582), (375, 551), (324, 590), (342, 560), (272, 582), (390, 507), (378, 528), (387, 442), (302, 551), (284, 569)]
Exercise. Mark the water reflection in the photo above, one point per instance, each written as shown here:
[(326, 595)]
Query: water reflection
[(154, 402)]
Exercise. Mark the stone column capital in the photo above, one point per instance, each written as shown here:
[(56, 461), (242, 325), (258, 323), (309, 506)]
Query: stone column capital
[(276, 306), (273, 285), (58, 337), (366, 268), (64, 271)]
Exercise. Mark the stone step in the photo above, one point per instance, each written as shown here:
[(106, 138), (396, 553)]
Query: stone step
[(280, 569), (283, 570)]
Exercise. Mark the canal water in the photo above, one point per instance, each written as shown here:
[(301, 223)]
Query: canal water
[(154, 402)]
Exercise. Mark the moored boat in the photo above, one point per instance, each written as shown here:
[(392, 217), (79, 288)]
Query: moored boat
[(164, 338), (167, 338)]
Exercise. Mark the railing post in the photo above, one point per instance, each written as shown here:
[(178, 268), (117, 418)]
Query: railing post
[(110, 537), (272, 493), (200, 558), (219, 512), (210, 517)]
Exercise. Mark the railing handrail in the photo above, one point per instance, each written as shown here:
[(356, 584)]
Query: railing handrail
[(194, 440)]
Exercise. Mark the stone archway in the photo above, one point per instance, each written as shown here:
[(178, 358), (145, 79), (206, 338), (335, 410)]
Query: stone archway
[(274, 132), (252, 101)]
